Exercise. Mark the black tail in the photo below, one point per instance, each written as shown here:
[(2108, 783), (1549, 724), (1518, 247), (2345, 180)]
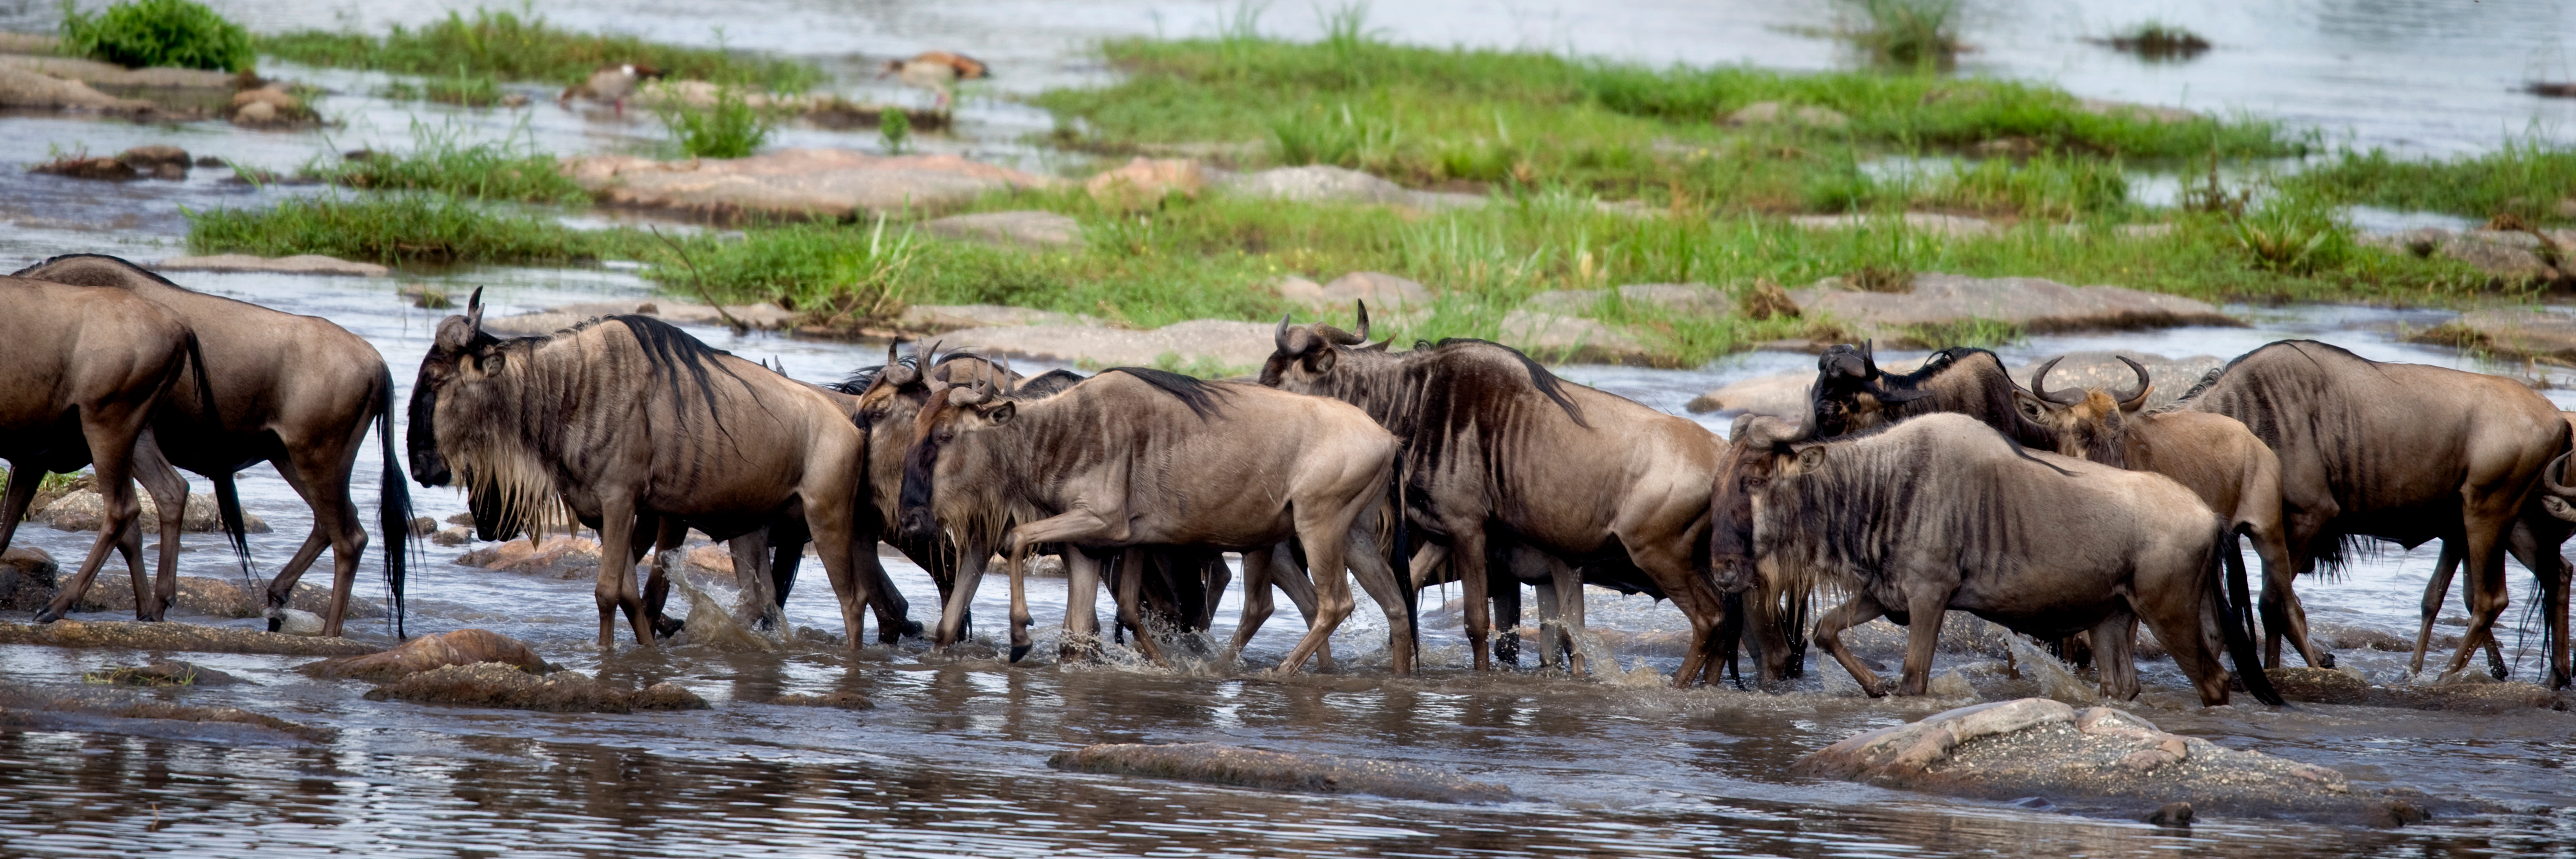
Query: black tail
[(227, 498), (2232, 615), (393, 504)]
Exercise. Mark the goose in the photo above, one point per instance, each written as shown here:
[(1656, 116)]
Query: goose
[(934, 71), (611, 84)]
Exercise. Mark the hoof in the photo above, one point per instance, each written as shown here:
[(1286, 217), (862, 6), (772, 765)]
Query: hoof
[(668, 627), (2498, 672), (276, 624), (48, 616), (2325, 660), (1017, 651)]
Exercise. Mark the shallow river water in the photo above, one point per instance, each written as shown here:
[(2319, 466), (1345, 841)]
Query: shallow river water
[(951, 759)]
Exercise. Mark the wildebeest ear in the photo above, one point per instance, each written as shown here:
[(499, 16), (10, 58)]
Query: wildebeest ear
[(474, 311), (2031, 405), (1811, 457), (1322, 360), (1002, 413)]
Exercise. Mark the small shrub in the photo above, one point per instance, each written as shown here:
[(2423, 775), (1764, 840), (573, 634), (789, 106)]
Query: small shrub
[(1916, 33), (464, 88), (507, 169), (139, 33), (2293, 233), (730, 128), (2157, 40), (506, 46), (895, 126), (389, 229)]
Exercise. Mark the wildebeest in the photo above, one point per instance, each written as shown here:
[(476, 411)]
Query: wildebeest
[(295, 391), (2215, 457), (2405, 453), (625, 420), (1942, 512), (1852, 394), (1139, 457), (1496, 443), (88, 371)]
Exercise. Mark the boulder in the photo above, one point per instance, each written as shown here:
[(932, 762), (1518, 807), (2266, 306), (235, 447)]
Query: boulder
[(1385, 293), (257, 114), (825, 184), (2031, 304), (267, 107), (77, 167), (27, 43), (167, 636), (1030, 229), (453, 535), (1569, 339), (935, 318), (2516, 257), (2100, 758), (764, 316), (86, 509), (560, 556), (1234, 346), (167, 672), (2471, 693), (1946, 226), (214, 597), (1217, 763), (1143, 183), (505, 686), (159, 161), (25, 89), (1690, 299), (1317, 183), (1776, 113), (27, 576), (299, 264), (2513, 333), (2097, 369), (462, 647)]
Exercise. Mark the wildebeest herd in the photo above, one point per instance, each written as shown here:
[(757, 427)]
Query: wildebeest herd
[(2070, 516)]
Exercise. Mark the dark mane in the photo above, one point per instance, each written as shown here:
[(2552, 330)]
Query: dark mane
[(1046, 384), (1202, 397), (1546, 382), (1935, 365), (858, 381), (673, 351)]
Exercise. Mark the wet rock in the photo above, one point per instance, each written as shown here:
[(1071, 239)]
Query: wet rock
[(162, 161), (560, 556), (1684, 298), (936, 318), (1946, 226), (1775, 113), (170, 636), (1217, 763), (86, 509), (1316, 183), (462, 647), (214, 597), (1573, 339), (167, 672), (826, 184), (466, 519), (123, 711), (300, 264), (2330, 686), (2099, 757), (835, 700), (27, 576), (504, 686), (2171, 814), (1233, 346), (2031, 304), (25, 89), (76, 167), (422, 526), (1385, 293), (426, 297), (2508, 332), (267, 107), (2172, 377), (1031, 229), (712, 559), (1145, 182), (453, 535)]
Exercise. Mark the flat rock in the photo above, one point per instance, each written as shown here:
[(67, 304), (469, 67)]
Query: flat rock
[(461, 647), (177, 636), (27, 43), (300, 264), (560, 556), (834, 700), (1386, 294), (2104, 759), (124, 711), (1217, 763), (96, 73), (1570, 339), (25, 89), (213, 597), (27, 576), (504, 686), (1231, 345), (1947, 226), (85, 509), (166, 672), (2329, 686), (1031, 229), (2172, 377), (764, 315), (1685, 298), (2516, 333), (1145, 182), (1316, 183), (936, 318), (2033, 304), (823, 184)]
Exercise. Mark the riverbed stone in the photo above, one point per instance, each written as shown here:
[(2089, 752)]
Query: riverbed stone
[(1570, 339), (172, 636), (27, 579), (505, 686), (460, 647), (1385, 293), (1030, 229), (936, 318), (559, 556), (2104, 758), (107, 709), (1780, 395), (76, 167), (2331, 686), (1218, 763), (1235, 346), (1946, 226), (834, 700), (820, 184), (86, 509), (299, 264), (1692, 299), (1315, 183), (2509, 332), (2032, 304), (97, 73), (1143, 183), (26, 89), (164, 672)]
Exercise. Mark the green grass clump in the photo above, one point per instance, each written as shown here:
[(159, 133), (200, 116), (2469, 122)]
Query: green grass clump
[(1906, 33), (833, 274), (2523, 178), (394, 229), (2157, 40), (505, 46), (462, 88), (139, 33), (505, 169), (730, 128)]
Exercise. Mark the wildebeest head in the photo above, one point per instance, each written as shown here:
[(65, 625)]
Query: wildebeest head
[(1852, 394), (2089, 423), (949, 411), (457, 339), (453, 401), (1849, 394), (1759, 451), (1304, 353)]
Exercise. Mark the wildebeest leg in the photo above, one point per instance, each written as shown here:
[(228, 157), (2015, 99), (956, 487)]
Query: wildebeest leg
[(2538, 553), (1505, 586), (1829, 635), (110, 436), (2487, 528), (836, 541), (1467, 557), (169, 493), (1927, 605), (893, 614), (1568, 583), (23, 481), (1368, 564), (1081, 607), (1326, 536), (1551, 622), (666, 535), (2435, 591), (2115, 649), (1131, 583), (1216, 576), (1257, 603), (616, 587), (2282, 613), (970, 573), (759, 608), (319, 473), (1291, 579)]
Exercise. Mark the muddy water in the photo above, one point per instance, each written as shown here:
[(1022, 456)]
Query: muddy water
[(950, 762)]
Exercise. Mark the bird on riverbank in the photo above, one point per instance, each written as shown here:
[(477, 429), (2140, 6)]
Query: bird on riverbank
[(935, 71), (610, 84)]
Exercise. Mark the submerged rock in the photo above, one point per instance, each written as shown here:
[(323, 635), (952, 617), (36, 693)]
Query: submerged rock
[(505, 686), (177, 636), (167, 672), (1217, 763), (2100, 757), (835, 700), (120, 711), (2328, 686), (462, 647)]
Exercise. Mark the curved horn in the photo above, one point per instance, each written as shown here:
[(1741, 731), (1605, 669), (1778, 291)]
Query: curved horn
[(892, 356), (1280, 340), (2129, 402), (2039, 383), (1363, 332), (929, 356), (2558, 467), (1869, 358), (474, 310)]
